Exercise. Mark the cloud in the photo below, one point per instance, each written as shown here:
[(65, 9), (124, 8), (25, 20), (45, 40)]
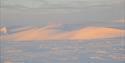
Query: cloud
[(3, 30), (22, 3), (57, 3), (97, 58), (96, 33), (20, 29), (120, 21), (33, 33), (51, 32), (118, 57)]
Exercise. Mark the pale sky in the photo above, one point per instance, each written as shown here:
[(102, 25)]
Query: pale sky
[(42, 12)]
